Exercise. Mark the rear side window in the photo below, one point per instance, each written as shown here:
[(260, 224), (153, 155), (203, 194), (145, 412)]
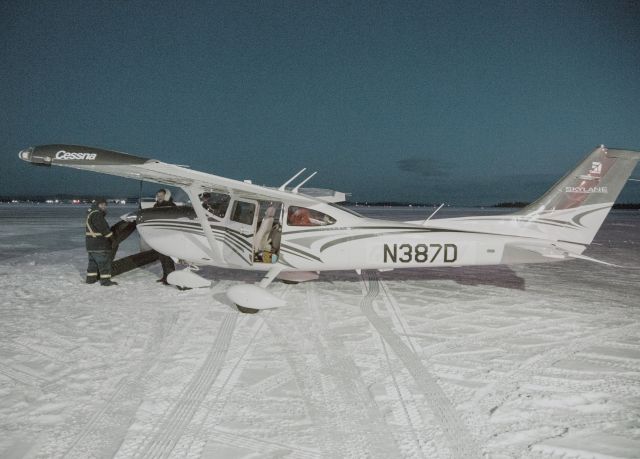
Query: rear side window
[(302, 216), (243, 212)]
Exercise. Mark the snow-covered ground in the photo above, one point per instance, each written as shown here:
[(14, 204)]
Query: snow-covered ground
[(523, 361)]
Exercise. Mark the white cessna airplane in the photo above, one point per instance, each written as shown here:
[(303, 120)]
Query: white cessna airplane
[(295, 233)]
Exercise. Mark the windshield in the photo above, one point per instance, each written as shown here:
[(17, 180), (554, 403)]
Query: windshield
[(346, 209)]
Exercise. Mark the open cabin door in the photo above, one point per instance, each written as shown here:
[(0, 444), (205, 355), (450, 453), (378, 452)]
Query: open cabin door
[(253, 232), (240, 229), (266, 242)]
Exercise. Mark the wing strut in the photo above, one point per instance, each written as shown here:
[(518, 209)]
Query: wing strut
[(216, 253), (271, 275)]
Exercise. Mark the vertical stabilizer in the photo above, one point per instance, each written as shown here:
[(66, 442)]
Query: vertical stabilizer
[(575, 207)]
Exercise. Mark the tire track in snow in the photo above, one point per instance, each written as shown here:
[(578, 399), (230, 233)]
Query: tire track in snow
[(547, 426), (263, 387), (483, 337), (542, 419), (20, 376), (474, 423), (623, 367), (48, 344), (268, 448), (405, 408), (105, 429), (614, 384), (363, 408), (459, 439), (334, 438), (174, 423), (219, 394), (495, 394)]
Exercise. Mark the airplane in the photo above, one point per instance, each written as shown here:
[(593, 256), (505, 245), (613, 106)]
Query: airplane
[(293, 233)]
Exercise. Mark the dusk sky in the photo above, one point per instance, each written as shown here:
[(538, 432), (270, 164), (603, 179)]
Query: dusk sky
[(461, 102)]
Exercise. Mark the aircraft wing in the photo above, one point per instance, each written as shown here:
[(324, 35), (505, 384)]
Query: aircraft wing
[(152, 170)]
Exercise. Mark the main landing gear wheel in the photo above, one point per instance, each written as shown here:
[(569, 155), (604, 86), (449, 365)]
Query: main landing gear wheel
[(244, 310), (250, 298)]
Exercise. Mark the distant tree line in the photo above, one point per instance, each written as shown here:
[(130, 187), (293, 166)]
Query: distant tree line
[(512, 204), (388, 204), (520, 204)]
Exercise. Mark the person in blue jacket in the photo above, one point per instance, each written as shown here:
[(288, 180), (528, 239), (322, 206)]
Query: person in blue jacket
[(98, 242)]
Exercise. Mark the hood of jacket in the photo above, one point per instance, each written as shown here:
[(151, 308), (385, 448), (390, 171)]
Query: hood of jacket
[(94, 206)]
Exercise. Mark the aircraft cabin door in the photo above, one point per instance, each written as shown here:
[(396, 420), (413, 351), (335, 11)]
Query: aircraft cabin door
[(240, 230)]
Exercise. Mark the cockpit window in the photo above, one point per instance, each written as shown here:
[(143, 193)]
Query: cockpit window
[(301, 216), (215, 203)]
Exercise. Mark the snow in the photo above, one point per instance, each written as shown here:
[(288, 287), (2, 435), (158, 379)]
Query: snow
[(539, 361)]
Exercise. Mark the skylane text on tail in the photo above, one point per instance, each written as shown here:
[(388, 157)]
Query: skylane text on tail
[(293, 233)]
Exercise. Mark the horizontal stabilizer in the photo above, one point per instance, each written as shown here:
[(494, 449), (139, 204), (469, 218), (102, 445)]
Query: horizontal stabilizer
[(542, 250), (594, 260), (551, 251)]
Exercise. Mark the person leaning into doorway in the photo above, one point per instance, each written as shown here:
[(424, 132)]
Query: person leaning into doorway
[(164, 199)]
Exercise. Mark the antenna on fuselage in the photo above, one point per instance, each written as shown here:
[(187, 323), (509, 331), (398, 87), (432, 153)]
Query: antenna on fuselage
[(433, 213), (284, 185), (295, 190)]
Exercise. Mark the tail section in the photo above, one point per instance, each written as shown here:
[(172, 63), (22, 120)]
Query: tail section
[(575, 207)]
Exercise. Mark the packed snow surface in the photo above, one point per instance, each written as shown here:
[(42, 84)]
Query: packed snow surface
[(539, 361)]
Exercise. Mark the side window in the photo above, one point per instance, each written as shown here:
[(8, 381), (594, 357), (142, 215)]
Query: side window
[(243, 212), (215, 203), (301, 216)]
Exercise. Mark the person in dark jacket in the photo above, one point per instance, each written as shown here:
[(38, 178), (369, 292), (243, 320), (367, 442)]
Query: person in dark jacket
[(164, 199), (98, 243)]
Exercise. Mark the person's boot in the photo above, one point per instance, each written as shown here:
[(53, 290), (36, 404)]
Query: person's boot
[(108, 283), (163, 280), (91, 279)]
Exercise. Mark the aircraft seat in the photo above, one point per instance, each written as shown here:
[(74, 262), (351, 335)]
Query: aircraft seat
[(262, 235)]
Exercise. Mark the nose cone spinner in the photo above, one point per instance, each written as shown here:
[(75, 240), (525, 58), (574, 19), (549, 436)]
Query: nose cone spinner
[(26, 154), (34, 157)]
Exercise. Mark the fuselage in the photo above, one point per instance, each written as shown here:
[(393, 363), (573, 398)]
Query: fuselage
[(337, 239)]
